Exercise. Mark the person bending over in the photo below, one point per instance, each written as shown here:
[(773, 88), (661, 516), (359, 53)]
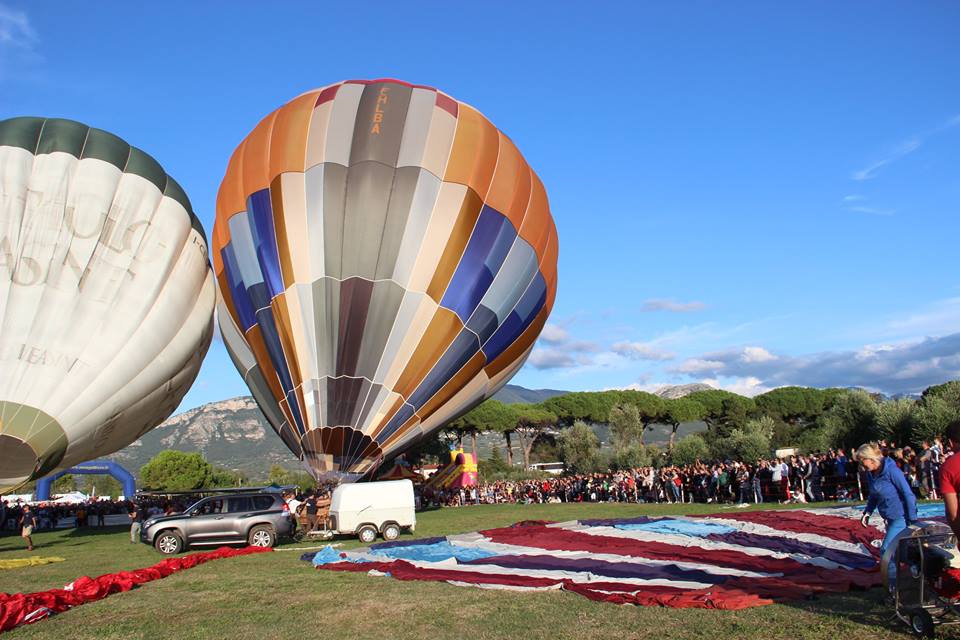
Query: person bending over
[(890, 494)]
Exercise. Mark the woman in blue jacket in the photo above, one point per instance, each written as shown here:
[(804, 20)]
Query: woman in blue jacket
[(890, 493)]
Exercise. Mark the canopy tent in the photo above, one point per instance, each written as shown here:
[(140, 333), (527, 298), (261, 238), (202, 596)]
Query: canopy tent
[(402, 472)]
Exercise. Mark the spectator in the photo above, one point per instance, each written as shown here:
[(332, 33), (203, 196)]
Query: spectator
[(136, 522), (27, 523)]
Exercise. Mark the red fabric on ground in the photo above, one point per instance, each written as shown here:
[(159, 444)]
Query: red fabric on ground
[(798, 580), (566, 540), (716, 597), (25, 608)]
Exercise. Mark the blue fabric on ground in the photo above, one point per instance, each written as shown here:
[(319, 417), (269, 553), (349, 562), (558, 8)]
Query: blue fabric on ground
[(678, 527), (327, 555), (435, 552), (405, 543), (613, 522), (930, 510), (924, 510), (308, 557)]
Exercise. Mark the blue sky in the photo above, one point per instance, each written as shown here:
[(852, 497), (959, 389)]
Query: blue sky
[(749, 194)]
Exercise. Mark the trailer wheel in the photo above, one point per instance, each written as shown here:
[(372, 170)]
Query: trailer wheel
[(367, 533), (921, 623), (391, 531)]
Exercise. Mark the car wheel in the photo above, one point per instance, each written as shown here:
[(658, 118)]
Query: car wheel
[(169, 543), (391, 531), (262, 536), (367, 533)]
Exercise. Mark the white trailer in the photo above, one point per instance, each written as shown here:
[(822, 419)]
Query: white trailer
[(366, 509)]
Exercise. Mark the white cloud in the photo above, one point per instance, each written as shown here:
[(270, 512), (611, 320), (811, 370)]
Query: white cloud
[(756, 354), (15, 29), (903, 149), (749, 386), (551, 359), (554, 334), (662, 304), (641, 351), (853, 198), (874, 211), (939, 318), (698, 365), (906, 367)]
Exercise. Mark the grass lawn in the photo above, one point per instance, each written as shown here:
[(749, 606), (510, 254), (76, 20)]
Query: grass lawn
[(276, 595)]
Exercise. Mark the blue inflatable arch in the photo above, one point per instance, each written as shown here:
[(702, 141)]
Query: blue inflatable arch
[(94, 467)]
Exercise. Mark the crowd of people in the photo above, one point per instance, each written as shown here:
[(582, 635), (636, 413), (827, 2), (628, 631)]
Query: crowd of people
[(92, 513), (797, 478), (815, 477)]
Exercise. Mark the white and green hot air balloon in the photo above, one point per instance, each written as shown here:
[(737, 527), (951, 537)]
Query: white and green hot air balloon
[(106, 295)]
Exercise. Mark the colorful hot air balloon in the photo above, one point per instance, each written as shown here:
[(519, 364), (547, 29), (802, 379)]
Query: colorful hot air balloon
[(386, 259), (106, 295)]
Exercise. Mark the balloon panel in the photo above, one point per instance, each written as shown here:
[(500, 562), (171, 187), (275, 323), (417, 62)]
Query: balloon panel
[(386, 259), (106, 295)]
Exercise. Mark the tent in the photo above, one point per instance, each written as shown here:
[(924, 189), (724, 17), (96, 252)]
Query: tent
[(402, 472)]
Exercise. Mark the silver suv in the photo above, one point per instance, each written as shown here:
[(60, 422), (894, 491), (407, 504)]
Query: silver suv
[(257, 519)]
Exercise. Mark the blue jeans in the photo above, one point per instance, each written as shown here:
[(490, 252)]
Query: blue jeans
[(894, 527)]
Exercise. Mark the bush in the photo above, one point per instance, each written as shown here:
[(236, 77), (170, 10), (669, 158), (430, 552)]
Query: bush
[(688, 450), (630, 458), (579, 448)]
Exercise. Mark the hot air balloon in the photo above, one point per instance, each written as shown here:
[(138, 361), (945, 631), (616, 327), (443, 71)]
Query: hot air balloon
[(106, 295), (386, 259)]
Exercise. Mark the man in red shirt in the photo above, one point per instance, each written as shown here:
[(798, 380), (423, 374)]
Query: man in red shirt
[(950, 478)]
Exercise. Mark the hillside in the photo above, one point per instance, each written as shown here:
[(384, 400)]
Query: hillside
[(234, 434), (512, 393)]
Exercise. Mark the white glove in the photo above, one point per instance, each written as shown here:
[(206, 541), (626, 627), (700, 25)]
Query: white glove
[(865, 520)]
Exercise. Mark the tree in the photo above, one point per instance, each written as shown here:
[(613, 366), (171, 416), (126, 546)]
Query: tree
[(580, 448), (933, 414), (948, 392), (592, 406), (531, 421), (64, 484), (722, 410), (631, 458), (491, 415), (689, 450), (679, 411), (101, 485), (278, 475), (626, 427), (176, 471), (221, 477), (851, 421), (794, 405), (650, 407), (896, 420), (431, 447), (748, 443)]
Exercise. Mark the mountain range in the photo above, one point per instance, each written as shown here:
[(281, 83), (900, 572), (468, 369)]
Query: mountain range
[(234, 434)]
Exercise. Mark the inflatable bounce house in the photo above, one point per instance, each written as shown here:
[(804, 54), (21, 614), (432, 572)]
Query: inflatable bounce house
[(460, 472)]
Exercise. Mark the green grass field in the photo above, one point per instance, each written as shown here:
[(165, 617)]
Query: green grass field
[(276, 595)]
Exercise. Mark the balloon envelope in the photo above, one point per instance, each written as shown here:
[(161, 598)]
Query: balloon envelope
[(106, 295), (386, 259)]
